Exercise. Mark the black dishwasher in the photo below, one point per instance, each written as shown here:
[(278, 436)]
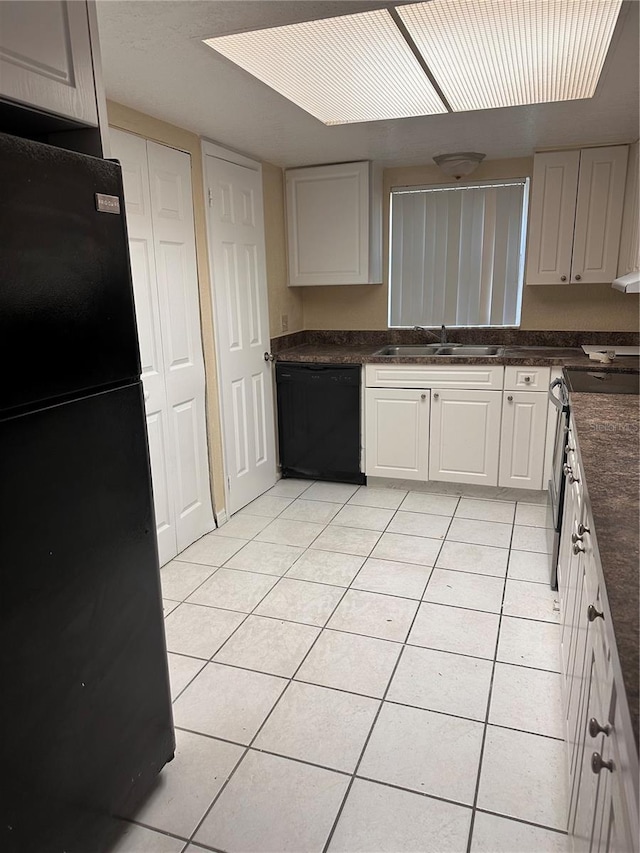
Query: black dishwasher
[(319, 421)]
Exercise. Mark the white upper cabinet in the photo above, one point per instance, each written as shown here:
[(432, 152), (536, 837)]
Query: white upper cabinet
[(46, 59), (596, 241), (576, 215), (334, 224), (552, 215), (629, 260)]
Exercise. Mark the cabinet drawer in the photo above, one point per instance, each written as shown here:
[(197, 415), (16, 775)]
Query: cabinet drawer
[(527, 378), (484, 377)]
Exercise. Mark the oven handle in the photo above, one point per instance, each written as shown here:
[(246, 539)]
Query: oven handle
[(563, 403)]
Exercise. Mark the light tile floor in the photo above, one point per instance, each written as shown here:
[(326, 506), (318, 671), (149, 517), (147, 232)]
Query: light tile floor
[(362, 670)]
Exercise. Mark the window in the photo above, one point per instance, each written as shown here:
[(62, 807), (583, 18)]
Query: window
[(456, 254)]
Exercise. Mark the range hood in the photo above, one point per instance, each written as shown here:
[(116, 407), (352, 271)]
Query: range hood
[(629, 283)]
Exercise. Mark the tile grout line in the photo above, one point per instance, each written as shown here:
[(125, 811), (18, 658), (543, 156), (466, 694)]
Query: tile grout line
[(253, 739), (488, 711), (377, 715)]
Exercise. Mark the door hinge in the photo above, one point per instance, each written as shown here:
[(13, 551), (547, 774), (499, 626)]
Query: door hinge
[(210, 196)]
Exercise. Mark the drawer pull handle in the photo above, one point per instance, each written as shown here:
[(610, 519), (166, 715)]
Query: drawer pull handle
[(578, 549), (582, 529), (575, 537), (596, 729), (527, 379), (593, 614), (569, 449), (597, 763)]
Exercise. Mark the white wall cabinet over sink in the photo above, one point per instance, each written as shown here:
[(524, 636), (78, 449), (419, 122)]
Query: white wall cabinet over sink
[(47, 58), (575, 217), (334, 224), (397, 427)]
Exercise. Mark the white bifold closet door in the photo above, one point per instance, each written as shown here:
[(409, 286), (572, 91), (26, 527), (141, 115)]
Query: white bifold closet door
[(158, 198)]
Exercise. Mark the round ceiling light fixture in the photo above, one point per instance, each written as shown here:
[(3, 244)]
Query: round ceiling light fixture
[(460, 164)]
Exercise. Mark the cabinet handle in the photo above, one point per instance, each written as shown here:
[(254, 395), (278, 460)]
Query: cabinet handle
[(578, 549), (510, 398), (575, 537), (593, 614), (596, 729), (423, 396), (436, 396), (582, 529), (527, 379), (578, 277), (597, 763), (563, 278), (568, 448), (569, 473)]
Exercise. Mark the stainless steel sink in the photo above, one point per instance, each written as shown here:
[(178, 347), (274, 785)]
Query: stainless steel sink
[(460, 350), (467, 351), (416, 349)]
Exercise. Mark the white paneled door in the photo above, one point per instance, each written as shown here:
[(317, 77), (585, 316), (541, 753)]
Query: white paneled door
[(236, 245), (157, 186)]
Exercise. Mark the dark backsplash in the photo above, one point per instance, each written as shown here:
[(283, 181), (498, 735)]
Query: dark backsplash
[(469, 335)]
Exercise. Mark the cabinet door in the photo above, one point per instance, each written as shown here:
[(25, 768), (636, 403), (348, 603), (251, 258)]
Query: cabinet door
[(551, 217), (464, 437), (596, 241), (629, 260), (328, 224), (45, 57), (397, 433), (524, 428)]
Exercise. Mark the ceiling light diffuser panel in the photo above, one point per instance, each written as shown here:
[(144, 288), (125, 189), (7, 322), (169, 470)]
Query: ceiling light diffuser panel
[(504, 53), (353, 68)]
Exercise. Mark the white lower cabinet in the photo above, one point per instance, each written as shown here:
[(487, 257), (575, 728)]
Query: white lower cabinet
[(397, 430), (601, 760), (524, 427), (464, 441), (455, 424)]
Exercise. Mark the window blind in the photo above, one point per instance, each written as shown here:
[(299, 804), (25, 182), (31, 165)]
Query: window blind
[(457, 254)]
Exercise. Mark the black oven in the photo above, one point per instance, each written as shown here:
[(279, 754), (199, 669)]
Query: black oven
[(559, 396)]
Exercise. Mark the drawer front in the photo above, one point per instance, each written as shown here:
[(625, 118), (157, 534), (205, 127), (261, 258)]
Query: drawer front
[(434, 376), (527, 378)]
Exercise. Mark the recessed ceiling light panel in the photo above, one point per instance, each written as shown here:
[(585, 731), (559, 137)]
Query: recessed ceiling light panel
[(352, 68), (504, 53)]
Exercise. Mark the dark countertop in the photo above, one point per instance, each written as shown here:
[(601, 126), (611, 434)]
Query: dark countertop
[(608, 436), (330, 353)]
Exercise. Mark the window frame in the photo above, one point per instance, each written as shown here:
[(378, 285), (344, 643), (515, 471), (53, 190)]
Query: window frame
[(406, 189)]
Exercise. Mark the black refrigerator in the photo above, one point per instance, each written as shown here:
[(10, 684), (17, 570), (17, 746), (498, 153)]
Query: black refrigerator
[(85, 705)]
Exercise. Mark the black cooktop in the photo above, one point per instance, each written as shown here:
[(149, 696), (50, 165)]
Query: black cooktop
[(602, 382)]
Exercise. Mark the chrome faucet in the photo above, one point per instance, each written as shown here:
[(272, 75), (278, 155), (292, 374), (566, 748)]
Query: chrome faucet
[(443, 333)]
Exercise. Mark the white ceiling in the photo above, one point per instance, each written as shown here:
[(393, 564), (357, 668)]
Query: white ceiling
[(154, 61)]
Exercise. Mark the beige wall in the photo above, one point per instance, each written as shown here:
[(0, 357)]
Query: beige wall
[(283, 300), (590, 307), (168, 134)]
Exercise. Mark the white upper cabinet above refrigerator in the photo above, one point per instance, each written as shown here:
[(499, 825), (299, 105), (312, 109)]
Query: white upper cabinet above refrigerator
[(46, 58), (334, 222), (576, 215)]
